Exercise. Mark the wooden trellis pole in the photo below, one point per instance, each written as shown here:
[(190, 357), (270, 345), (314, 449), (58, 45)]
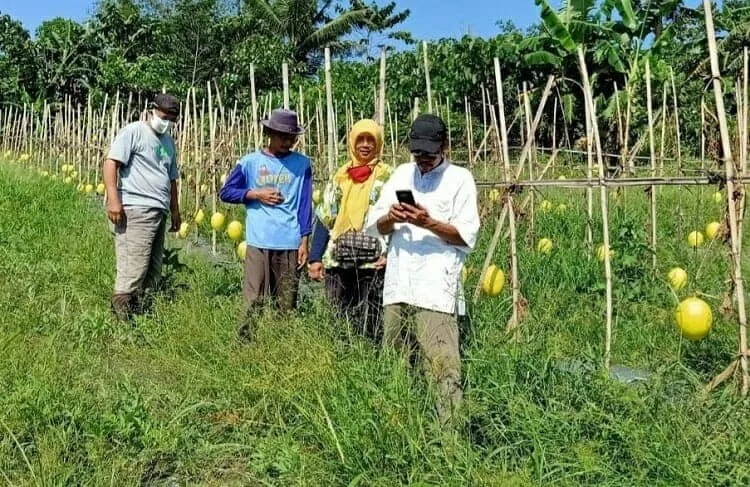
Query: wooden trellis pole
[(591, 114), (743, 144), (254, 105), (331, 143), (735, 242), (676, 122), (392, 134), (703, 133), (427, 77), (509, 211), (628, 113), (527, 116), (652, 153), (514, 321), (589, 192), (663, 128), (450, 137), (285, 82), (381, 91), (212, 161)]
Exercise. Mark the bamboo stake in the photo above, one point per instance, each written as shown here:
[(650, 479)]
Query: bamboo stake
[(381, 96), (184, 131), (285, 81), (589, 192), (652, 150), (743, 149), (507, 210), (620, 138), (427, 77), (450, 137), (89, 138), (554, 130), (319, 126), (485, 104), (703, 133), (18, 133), (521, 129), (45, 111), (466, 132), (741, 187), (302, 119), (335, 130), (591, 114), (729, 170), (29, 150), (676, 122), (513, 324), (217, 93), (197, 138), (663, 128), (628, 113), (529, 136), (329, 117), (212, 162), (393, 135), (6, 125), (254, 104)]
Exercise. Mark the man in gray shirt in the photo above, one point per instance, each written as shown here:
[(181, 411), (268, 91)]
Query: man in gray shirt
[(144, 157)]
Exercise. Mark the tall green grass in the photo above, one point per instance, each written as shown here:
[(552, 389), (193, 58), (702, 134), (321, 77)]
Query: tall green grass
[(175, 400)]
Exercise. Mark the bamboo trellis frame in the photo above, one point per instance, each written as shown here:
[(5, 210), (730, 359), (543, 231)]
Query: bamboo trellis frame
[(81, 135)]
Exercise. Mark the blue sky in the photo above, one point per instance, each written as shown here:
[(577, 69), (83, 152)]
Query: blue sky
[(429, 19)]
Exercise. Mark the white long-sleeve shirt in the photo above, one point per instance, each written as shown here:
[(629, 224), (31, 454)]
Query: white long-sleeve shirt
[(423, 269)]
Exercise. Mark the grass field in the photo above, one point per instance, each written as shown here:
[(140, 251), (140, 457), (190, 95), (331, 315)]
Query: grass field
[(177, 401)]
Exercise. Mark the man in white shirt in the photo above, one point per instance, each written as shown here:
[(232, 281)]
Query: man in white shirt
[(429, 242)]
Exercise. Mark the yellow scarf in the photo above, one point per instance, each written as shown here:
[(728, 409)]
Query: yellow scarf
[(355, 197)]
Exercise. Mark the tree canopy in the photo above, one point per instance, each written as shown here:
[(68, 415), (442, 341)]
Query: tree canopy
[(144, 46)]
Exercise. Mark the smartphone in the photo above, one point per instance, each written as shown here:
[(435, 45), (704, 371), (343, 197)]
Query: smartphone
[(405, 196)]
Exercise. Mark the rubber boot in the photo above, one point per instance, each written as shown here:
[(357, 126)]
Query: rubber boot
[(122, 306)]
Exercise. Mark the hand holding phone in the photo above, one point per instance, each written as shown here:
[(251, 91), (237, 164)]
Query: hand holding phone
[(405, 196)]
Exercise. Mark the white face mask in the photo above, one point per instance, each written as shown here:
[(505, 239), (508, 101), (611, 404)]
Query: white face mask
[(160, 125)]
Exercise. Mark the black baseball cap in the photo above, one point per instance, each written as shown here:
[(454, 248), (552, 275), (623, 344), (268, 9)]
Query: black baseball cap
[(167, 104), (428, 133)]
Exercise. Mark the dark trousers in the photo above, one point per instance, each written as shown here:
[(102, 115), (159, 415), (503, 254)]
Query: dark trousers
[(271, 274), (357, 295)]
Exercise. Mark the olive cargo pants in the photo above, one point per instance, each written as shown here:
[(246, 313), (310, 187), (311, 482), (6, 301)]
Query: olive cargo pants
[(139, 249), (437, 336)]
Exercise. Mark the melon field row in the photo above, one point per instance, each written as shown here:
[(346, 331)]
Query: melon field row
[(176, 398)]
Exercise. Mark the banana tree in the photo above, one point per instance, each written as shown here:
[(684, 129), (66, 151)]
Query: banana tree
[(617, 34), (67, 56)]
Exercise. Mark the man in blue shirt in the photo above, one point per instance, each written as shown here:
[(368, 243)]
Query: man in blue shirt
[(275, 185)]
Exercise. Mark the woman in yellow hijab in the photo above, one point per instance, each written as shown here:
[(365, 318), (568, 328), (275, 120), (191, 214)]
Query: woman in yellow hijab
[(351, 263)]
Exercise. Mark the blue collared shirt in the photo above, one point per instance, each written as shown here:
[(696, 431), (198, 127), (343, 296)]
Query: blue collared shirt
[(276, 227)]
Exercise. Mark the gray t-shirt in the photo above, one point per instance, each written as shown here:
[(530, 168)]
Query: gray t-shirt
[(149, 164)]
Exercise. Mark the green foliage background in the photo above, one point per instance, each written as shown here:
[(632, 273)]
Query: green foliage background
[(144, 46)]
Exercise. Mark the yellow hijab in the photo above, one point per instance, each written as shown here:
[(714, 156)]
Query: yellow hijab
[(355, 197)]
